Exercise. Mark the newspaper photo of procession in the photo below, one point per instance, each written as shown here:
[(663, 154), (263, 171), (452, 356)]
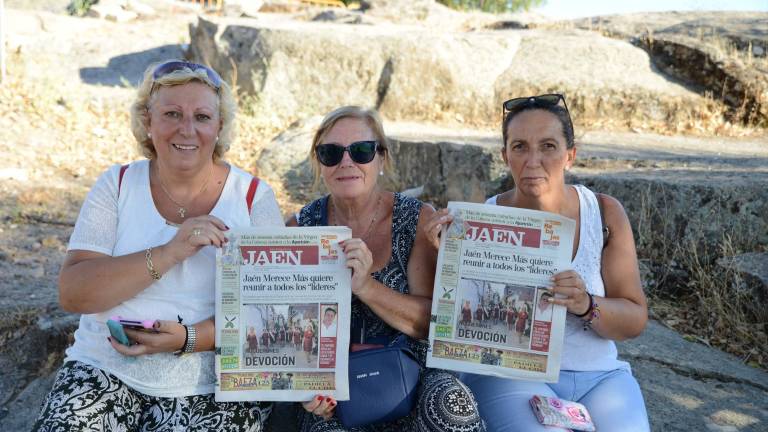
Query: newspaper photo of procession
[(495, 312), (284, 330)]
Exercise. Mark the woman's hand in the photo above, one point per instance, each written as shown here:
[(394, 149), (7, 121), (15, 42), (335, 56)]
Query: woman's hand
[(434, 225), (360, 260), (572, 290), (322, 406), (168, 336), (194, 234)]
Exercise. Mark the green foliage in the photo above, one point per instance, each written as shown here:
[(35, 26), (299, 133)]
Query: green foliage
[(495, 6), (80, 7)]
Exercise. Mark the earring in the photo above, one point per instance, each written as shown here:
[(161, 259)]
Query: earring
[(381, 173), (149, 135), (217, 138)]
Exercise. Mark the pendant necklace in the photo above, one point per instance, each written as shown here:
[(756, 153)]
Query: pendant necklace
[(373, 220), (182, 211)]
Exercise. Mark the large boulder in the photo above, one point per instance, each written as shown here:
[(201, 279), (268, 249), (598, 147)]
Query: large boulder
[(297, 69), (749, 273), (715, 53), (741, 86)]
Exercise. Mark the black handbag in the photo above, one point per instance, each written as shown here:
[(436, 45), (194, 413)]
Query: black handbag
[(382, 385)]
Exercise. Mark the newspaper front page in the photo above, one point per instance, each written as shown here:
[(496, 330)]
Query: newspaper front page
[(490, 313), (282, 314)]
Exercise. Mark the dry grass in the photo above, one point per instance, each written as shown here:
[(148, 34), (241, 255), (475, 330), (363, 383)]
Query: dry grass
[(691, 293)]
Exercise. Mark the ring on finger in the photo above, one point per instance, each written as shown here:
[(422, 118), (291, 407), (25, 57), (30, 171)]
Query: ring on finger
[(197, 231)]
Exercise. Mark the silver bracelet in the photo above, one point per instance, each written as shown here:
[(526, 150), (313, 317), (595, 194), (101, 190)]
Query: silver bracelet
[(189, 346)]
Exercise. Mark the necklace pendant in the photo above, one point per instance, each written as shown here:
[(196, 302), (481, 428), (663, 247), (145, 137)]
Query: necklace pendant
[(182, 212)]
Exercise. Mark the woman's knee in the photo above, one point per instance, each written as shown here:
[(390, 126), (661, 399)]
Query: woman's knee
[(504, 404), (616, 403), (83, 395), (446, 404)]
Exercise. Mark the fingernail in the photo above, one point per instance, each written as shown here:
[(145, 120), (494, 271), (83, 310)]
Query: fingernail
[(333, 403), (226, 227), (327, 399), (109, 339), (319, 398)]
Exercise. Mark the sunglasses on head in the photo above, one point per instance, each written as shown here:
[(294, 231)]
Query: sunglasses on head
[(545, 100), (175, 65), (361, 152)]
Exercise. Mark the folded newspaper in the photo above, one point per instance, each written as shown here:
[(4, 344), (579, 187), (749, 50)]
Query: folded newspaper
[(282, 306), (490, 313)]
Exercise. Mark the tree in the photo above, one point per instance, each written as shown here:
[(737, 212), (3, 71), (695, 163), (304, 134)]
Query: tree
[(495, 6)]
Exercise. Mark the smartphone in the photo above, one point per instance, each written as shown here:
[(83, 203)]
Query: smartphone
[(135, 324), (117, 332)]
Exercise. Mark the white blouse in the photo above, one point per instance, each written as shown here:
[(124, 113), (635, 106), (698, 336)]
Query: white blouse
[(120, 225)]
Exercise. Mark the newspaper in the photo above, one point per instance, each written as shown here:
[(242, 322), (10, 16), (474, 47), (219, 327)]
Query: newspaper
[(490, 313), (282, 314)]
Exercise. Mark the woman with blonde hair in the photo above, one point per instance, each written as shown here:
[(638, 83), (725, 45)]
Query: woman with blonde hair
[(392, 262), (143, 248)]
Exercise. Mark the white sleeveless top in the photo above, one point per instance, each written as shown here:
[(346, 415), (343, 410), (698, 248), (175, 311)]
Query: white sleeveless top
[(120, 225), (586, 350)]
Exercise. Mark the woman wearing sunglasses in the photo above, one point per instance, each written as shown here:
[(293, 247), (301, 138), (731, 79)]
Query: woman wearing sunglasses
[(143, 248), (392, 262), (602, 293)]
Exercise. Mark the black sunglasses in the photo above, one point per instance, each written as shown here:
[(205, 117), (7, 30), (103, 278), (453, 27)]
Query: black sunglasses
[(172, 66), (361, 152), (546, 100)]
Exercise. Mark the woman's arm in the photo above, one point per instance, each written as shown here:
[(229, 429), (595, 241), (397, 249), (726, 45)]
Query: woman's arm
[(408, 313), (624, 310), (91, 282), (169, 336)]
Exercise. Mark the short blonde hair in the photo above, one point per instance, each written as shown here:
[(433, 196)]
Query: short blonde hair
[(147, 90), (369, 116)]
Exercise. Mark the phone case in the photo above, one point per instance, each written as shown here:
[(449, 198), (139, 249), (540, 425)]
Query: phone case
[(117, 332), (135, 324), (552, 411)]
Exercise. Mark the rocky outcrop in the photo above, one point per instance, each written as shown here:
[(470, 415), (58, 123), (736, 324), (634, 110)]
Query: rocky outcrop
[(716, 53), (297, 69), (742, 87)]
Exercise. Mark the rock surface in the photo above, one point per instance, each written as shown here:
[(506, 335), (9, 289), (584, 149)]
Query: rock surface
[(742, 87), (713, 52), (411, 72), (749, 273)]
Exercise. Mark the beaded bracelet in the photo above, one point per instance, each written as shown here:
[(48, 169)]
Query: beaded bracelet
[(183, 348), (594, 312)]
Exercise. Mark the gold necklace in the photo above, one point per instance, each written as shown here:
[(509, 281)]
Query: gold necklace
[(373, 220), (182, 211)]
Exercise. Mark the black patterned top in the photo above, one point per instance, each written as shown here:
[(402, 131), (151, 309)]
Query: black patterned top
[(366, 326)]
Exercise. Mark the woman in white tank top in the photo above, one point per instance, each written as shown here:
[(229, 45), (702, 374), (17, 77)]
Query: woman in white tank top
[(602, 293)]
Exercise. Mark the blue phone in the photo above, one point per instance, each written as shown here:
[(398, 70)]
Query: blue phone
[(117, 332)]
